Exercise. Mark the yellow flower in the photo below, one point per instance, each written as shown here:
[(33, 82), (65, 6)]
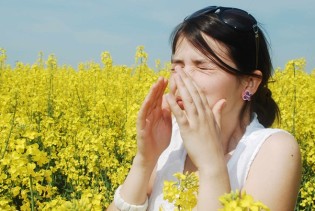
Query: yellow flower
[(15, 191), (73, 130)]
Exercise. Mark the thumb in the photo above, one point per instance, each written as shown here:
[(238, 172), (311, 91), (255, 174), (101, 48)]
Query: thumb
[(217, 111)]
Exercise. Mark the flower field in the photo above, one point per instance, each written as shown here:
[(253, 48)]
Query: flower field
[(68, 135)]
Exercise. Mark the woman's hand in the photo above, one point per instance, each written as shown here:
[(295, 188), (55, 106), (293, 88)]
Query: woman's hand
[(154, 124), (199, 124)]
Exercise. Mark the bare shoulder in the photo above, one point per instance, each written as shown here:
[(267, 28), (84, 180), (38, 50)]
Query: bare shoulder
[(280, 152), (275, 173), (282, 145)]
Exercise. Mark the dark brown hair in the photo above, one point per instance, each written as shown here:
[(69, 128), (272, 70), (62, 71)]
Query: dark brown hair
[(242, 50)]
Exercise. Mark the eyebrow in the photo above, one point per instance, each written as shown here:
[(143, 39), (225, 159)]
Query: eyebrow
[(176, 61), (195, 62)]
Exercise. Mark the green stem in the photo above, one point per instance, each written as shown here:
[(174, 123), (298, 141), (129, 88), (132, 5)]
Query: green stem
[(50, 107), (294, 102), (32, 193), (11, 129)]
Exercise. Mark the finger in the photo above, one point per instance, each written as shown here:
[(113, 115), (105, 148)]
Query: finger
[(172, 83), (204, 101), (195, 99), (176, 110), (166, 110), (156, 109), (217, 111), (149, 103), (185, 95), (158, 87), (160, 94)]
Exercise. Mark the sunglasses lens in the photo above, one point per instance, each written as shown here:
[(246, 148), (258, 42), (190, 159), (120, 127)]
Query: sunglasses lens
[(202, 12), (238, 19)]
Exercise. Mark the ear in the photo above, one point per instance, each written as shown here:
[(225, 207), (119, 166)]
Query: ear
[(251, 83)]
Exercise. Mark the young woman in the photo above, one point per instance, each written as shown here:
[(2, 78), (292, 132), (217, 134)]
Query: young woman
[(214, 121)]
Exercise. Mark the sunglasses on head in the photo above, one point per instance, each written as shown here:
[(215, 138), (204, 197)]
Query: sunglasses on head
[(238, 19)]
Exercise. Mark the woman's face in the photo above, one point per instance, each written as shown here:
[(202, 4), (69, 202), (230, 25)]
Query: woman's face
[(214, 82)]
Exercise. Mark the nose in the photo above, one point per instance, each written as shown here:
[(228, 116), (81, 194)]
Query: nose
[(176, 68), (186, 69)]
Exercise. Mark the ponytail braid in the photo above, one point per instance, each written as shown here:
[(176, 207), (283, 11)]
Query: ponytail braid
[(264, 106)]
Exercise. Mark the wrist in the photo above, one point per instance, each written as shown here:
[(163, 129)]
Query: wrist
[(142, 162), (122, 205), (135, 187), (213, 170)]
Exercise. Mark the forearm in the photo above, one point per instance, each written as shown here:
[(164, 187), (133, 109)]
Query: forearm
[(212, 184), (134, 189)]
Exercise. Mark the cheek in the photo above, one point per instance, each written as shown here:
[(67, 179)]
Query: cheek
[(211, 94), (216, 92)]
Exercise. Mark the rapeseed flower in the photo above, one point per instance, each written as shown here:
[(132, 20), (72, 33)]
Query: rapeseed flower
[(71, 132)]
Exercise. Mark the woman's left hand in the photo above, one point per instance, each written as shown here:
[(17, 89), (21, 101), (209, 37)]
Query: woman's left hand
[(199, 124)]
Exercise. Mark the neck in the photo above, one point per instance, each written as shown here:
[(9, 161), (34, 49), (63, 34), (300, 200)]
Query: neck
[(232, 130)]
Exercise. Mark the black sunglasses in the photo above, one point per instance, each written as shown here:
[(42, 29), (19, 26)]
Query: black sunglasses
[(238, 19)]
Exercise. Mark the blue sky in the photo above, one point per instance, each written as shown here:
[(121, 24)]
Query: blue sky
[(79, 30)]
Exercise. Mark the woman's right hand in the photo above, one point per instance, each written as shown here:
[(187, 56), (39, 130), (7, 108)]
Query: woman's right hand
[(154, 124)]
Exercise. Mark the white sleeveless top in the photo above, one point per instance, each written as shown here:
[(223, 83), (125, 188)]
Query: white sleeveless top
[(173, 158)]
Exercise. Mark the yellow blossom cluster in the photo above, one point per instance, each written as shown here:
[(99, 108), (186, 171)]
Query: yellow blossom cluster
[(240, 201), (294, 91), (68, 135), (184, 190)]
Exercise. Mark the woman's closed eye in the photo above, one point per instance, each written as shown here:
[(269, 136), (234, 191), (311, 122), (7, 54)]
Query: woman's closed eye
[(204, 68), (205, 65), (207, 68)]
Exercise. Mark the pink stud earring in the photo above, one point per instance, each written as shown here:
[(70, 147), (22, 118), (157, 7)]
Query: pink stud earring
[(247, 96)]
